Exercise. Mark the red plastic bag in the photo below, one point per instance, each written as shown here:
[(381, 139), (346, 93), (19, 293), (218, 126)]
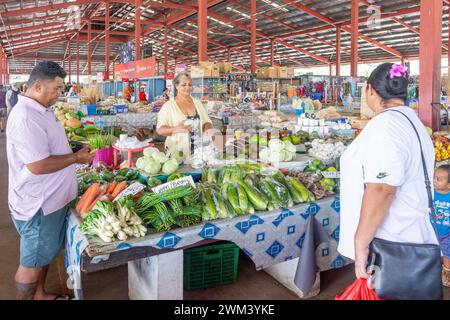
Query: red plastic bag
[(359, 290)]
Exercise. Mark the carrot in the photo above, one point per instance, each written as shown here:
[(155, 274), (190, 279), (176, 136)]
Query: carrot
[(118, 189), (82, 200), (103, 190), (92, 193), (111, 187)]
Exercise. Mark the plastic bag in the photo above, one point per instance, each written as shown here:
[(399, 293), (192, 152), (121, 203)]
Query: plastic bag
[(359, 290)]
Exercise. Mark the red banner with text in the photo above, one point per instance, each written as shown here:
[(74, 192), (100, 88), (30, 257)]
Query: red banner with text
[(135, 69)]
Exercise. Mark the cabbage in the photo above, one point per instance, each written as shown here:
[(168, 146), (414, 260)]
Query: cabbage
[(152, 167), (178, 155), (276, 145), (160, 157), (140, 163), (148, 152), (170, 166), (264, 154), (287, 156), (275, 157), (290, 147)]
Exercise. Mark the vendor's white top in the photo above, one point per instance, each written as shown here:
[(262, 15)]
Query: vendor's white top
[(171, 115), (34, 134), (387, 151)]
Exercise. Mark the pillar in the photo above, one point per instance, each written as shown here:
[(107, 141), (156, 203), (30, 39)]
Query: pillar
[(1, 68), (272, 52), (229, 54), (202, 30), (253, 36), (78, 58), (89, 47), (338, 51), (107, 37), (354, 41), (430, 62), (70, 62), (165, 52), (137, 29)]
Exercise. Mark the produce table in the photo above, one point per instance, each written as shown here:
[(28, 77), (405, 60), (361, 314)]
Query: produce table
[(268, 238), (144, 119)]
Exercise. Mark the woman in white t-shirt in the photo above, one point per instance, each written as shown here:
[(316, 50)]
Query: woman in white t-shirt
[(383, 192)]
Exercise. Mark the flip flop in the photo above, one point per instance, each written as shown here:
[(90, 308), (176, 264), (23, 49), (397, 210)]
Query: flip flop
[(62, 297)]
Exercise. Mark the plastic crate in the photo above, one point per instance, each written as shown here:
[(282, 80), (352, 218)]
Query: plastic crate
[(209, 266)]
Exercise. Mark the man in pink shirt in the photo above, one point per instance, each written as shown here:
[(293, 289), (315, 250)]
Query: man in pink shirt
[(42, 179)]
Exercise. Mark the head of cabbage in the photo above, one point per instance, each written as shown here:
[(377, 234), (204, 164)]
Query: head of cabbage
[(170, 166)]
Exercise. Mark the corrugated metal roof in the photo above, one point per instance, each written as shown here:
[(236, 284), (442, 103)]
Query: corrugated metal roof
[(298, 35)]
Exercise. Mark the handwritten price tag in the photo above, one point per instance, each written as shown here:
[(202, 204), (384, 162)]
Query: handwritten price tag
[(133, 189), (175, 183), (331, 174)]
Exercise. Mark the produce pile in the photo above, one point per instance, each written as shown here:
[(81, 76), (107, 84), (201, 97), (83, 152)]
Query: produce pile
[(441, 147), (230, 191), (278, 151), (326, 150), (155, 161)]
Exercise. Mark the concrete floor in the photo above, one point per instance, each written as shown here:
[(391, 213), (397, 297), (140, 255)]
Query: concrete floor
[(112, 284)]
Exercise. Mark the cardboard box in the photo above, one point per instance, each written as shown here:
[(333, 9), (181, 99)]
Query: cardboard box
[(207, 64), (225, 67), (267, 72), (200, 72), (285, 72), (215, 72)]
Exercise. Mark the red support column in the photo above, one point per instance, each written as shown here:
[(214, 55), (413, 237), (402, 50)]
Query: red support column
[(137, 29), (272, 52), (70, 62), (331, 69), (165, 52), (78, 58), (229, 54), (338, 51), (253, 37), (89, 47), (202, 30), (1, 68), (402, 61), (430, 62), (354, 41), (107, 42)]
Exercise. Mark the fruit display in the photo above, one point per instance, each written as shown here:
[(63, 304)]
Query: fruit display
[(278, 151), (154, 161), (326, 150), (441, 147), (274, 119)]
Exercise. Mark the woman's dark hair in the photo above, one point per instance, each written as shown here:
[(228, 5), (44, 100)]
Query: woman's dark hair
[(387, 88), (45, 70), (176, 81)]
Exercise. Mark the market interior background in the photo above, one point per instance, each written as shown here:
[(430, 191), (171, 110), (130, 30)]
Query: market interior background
[(317, 40)]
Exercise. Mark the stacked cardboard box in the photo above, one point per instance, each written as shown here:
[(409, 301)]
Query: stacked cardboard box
[(225, 67), (267, 72), (285, 72)]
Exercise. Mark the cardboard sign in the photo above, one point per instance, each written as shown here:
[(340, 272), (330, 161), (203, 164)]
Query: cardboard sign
[(331, 174), (175, 183), (133, 189)]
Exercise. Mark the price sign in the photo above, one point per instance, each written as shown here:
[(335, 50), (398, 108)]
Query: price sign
[(175, 183), (133, 189), (331, 174)]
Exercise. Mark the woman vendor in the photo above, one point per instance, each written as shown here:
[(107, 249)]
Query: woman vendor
[(183, 119)]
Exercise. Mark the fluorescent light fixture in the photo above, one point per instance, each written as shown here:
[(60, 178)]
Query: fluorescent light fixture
[(221, 22), (238, 12), (275, 5)]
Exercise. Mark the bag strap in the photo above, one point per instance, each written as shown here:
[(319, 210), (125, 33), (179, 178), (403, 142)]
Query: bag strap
[(425, 172)]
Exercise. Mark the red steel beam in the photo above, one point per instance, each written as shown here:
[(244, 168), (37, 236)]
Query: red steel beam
[(338, 51), (107, 38), (430, 69), (70, 63), (202, 38), (354, 38), (137, 29), (272, 52), (165, 52), (143, 22), (40, 37), (78, 58), (89, 47), (51, 7), (57, 58), (170, 5), (46, 18), (253, 36), (40, 45), (262, 34), (34, 28)]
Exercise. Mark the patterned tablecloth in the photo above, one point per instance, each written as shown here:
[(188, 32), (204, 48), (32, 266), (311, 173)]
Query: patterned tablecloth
[(145, 119), (268, 238)]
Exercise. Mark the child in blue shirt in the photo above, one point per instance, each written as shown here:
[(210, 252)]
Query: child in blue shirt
[(442, 208)]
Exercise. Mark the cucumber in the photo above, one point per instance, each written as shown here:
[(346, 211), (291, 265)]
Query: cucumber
[(267, 188), (296, 196), (221, 174), (283, 194), (233, 198), (254, 196), (211, 176), (249, 181), (233, 174), (311, 197), (300, 188), (230, 209), (220, 205), (209, 204), (226, 176), (251, 209), (243, 200), (204, 174), (224, 191)]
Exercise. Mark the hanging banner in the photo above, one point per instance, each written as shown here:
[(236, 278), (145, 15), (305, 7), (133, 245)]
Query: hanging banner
[(146, 68), (136, 69), (180, 68)]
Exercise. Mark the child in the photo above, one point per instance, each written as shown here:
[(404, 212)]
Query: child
[(442, 207)]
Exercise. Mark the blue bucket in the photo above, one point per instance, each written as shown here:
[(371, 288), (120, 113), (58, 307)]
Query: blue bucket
[(92, 109)]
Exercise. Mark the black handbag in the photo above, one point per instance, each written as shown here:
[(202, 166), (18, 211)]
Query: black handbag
[(407, 271)]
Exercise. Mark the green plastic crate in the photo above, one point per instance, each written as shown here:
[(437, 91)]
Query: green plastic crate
[(209, 266)]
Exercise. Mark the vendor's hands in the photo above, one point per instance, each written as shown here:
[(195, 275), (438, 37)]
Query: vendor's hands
[(361, 257), (84, 155), (181, 127)]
